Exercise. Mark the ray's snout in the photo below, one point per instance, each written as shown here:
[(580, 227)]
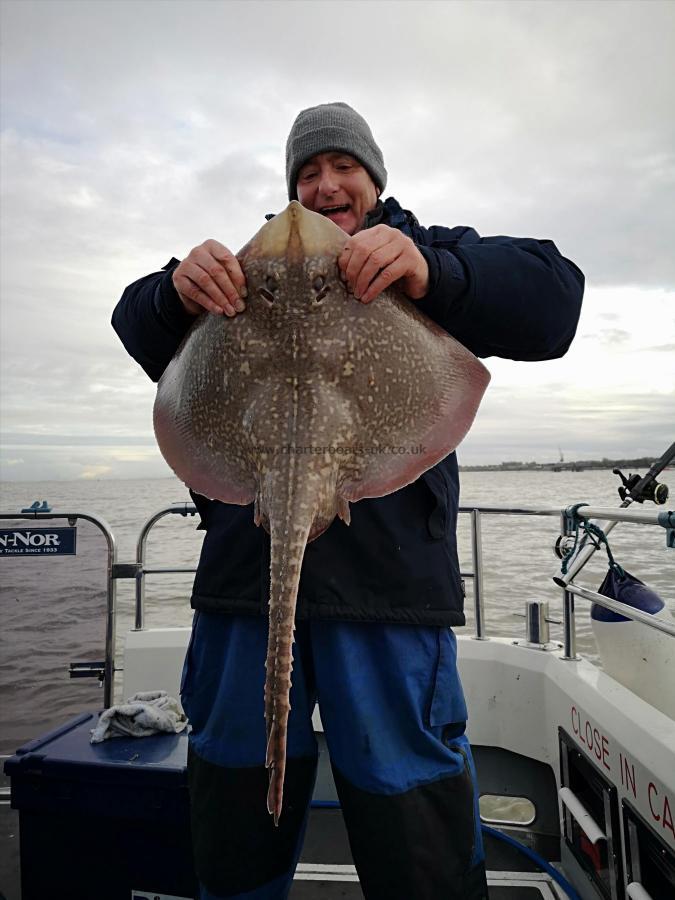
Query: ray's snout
[(299, 233)]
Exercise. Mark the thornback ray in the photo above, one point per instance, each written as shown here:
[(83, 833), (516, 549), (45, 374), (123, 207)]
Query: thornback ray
[(305, 402)]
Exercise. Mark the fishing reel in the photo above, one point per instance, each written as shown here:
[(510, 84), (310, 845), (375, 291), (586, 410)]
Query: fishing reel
[(564, 545), (652, 490)]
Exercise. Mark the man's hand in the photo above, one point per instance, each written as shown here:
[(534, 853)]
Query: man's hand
[(374, 259), (210, 278)]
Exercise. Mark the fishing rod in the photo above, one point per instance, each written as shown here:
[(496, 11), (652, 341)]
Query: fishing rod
[(633, 490)]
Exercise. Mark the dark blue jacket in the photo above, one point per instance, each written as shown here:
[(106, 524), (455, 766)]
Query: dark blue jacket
[(397, 562)]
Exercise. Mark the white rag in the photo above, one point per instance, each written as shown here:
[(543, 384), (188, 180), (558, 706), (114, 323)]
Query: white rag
[(148, 712)]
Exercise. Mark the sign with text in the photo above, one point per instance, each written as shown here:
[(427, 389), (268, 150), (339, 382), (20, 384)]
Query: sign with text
[(37, 541), (636, 782)]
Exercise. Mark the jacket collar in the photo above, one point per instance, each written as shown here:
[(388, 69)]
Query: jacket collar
[(390, 212)]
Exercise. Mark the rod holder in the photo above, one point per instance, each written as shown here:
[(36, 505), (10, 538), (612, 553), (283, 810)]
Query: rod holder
[(583, 818), (636, 892), (536, 622)]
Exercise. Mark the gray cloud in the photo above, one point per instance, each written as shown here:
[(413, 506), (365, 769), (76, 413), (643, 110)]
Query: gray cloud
[(609, 336), (511, 119), (661, 348), (132, 131), (532, 423)]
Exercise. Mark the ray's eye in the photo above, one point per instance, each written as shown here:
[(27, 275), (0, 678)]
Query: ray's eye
[(271, 289), (320, 288)]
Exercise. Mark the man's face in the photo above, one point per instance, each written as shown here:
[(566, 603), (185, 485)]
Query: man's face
[(337, 186)]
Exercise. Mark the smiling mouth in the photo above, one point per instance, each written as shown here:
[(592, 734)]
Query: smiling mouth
[(330, 210)]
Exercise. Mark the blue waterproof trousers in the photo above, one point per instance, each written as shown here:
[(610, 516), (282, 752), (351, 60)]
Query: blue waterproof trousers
[(394, 717)]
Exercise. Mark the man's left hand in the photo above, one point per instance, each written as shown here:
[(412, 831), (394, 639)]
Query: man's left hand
[(374, 259)]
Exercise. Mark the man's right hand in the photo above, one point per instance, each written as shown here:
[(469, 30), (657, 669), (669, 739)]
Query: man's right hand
[(210, 278)]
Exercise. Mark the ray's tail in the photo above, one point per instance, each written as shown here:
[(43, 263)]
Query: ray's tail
[(289, 535)]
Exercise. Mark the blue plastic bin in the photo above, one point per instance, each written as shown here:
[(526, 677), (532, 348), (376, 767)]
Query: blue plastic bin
[(102, 821)]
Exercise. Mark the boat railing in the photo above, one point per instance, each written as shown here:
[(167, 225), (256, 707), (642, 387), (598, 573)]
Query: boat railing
[(138, 571), (611, 517), (112, 574), (568, 516)]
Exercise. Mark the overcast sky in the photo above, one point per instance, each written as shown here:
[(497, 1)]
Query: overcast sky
[(132, 131)]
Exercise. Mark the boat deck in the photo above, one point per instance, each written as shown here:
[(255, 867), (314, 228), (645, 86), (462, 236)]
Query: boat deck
[(502, 887), (511, 876), (326, 867)]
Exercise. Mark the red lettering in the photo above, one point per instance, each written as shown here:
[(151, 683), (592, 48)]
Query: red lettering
[(652, 787), (589, 735), (628, 777), (668, 816)]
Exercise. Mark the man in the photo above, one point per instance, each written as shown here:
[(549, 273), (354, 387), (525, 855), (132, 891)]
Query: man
[(377, 600)]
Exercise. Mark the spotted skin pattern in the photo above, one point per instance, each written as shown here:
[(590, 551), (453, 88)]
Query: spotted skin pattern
[(307, 401)]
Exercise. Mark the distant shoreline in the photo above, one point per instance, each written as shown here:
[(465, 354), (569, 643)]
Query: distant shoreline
[(577, 465)]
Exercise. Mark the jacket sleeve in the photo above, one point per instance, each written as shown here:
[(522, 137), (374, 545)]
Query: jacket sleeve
[(517, 298), (151, 321)]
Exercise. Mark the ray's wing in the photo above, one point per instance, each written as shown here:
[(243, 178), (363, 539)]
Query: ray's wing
[(200, 410), (417, 389)]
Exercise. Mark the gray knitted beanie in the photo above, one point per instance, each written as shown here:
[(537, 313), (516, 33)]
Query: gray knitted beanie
[(328, 127)]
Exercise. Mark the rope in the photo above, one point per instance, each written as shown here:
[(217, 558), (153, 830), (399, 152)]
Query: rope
[(592, 533)]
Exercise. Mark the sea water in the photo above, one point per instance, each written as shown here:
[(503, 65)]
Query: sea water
[(53, 608)]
